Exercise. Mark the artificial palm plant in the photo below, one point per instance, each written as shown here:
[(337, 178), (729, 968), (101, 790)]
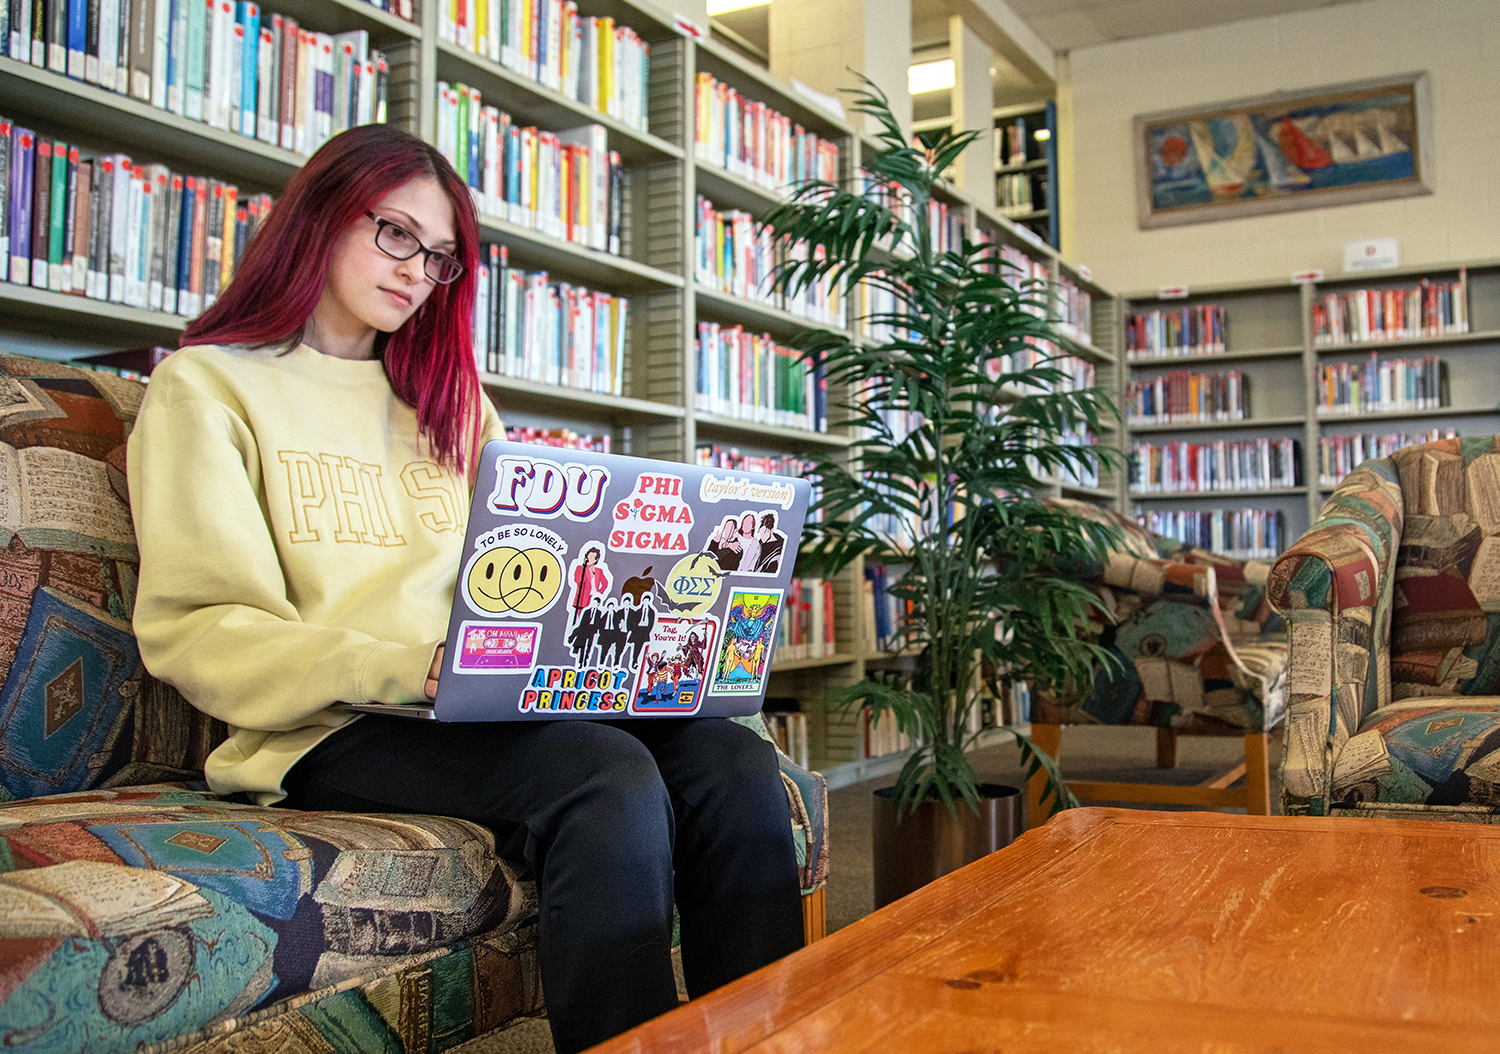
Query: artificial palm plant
[(958, 414)]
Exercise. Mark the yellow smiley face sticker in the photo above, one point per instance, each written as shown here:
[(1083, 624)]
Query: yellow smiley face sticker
[(506, 579)]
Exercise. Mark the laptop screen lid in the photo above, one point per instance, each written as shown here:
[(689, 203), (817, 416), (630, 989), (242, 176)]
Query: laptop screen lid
[(602, 585)]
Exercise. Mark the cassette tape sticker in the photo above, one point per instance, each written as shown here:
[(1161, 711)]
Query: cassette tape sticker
[(489, 647)]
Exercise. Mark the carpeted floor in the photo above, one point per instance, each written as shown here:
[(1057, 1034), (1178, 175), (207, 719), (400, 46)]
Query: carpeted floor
[(1114, 754)]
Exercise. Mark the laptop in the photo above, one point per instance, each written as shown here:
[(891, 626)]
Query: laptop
[(607, 586)]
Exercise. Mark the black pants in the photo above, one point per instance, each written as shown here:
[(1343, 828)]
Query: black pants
[(616, 820)]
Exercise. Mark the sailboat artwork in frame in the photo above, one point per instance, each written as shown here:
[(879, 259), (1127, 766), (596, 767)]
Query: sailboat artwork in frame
[(1365, 141)]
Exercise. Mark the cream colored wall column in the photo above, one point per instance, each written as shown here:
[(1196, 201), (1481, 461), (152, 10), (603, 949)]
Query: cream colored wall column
[(1063, 141), (973, 108), (820, 41)]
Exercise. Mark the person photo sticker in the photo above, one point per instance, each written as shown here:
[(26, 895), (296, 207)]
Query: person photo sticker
[(673, 664), (749, 630), (747, 543), (515, 570)]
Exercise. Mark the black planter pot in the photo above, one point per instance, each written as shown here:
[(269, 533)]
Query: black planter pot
[(930, 841)]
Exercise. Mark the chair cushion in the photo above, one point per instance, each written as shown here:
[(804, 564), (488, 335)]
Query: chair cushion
[(1440, 752), (144, 913)]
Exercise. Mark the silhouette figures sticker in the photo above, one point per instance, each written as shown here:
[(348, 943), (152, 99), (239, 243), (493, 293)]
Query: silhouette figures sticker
[(674, 662), (749, 629)]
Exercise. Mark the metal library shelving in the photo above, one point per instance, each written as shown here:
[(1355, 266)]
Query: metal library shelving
[(657, 414), (1271, 341)]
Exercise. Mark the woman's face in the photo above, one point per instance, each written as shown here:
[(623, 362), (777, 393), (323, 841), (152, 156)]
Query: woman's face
[(368, 289), (747, 524)]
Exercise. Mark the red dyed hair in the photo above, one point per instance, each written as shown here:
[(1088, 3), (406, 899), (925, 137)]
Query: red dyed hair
[(430, 359)]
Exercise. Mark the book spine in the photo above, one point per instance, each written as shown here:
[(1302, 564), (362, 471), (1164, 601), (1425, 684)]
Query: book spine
[(78, 34), (137, 248), (57, 235), (122, 46), (81, 220), (57, 35), (96, 285), (171, 237), (286, 107), (227, 235), (119, 233), (249, 15), (266, 86), (141, 29), (177, 55), (198, 12), (213, 243), (184, 255), (161, 190), (41, 211)]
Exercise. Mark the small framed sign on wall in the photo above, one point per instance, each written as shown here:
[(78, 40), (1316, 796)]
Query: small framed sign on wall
[(1366, 141)]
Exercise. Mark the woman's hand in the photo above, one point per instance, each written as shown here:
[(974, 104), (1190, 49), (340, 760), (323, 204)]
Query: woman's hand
[(432, 674)]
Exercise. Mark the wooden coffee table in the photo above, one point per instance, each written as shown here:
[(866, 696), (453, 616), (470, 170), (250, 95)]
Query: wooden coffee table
[(1121, 930)]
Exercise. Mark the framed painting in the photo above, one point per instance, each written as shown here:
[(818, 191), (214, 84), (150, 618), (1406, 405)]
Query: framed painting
[(1365, 141)]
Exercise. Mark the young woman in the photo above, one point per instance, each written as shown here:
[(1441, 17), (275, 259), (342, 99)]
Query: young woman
[(300, 477)]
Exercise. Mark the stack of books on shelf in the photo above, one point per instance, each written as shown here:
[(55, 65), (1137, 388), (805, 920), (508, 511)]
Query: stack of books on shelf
[(567, 185), (1007, 711), (1197, 329), (562, 438), (1181, 396), (1373, 386), (750, 140), (1340, 455), (945, 223), (1075, 311), (591, 60), (805, 629), (878, 307), (108, 228), (1013, 195), (529, 327), (1185, 468), (712, 455), (736, 255), (751, 377), (226, 63), (1428, 309), (882, 736), (1010, 143), (883, 611), (1086, 473), (789, 729), (1250, 534)]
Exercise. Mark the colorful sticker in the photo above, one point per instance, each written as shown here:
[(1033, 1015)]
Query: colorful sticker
[(563, 690), (653, 518), (536, 487), (747, 543), (516, 569), (693, 585), (749, 629), (669, 678), (491, 647)]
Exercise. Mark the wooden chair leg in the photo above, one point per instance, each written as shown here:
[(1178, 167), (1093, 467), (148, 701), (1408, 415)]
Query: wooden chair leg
[(1257, 775), (1049, 739), (1166, 748), (815, 916)]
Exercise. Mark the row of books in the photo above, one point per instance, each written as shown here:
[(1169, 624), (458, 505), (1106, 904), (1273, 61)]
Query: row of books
[(225, 62), (568, 185), (1011, 144), (789, 729), (881, 735), (755, 142), (1427, 309), (1084, 473), (735, 255), (1014, 194), (1376, 386), (529, 327), (945, 223), (712, 455), (883, 610), (1185, 468), (595, 61), (1165, 333), (1250, 534), (108, 228), (1181, 396), (805, 628), (751, 377), (1011, 708), (562, 438), (876, 304), (1075, 311), (1340, 455)]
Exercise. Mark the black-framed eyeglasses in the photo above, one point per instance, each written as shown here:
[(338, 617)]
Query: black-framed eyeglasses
[(401, 244)]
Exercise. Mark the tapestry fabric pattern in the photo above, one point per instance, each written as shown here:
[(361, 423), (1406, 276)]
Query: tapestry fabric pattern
[(1180, 665), (139, 911), (1393, 602)]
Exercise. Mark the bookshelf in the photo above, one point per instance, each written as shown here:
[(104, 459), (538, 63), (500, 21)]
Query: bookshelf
[(658, 413), (1272, 341), (1026, 167)]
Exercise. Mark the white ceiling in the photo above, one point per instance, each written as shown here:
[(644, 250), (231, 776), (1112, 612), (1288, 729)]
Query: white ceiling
[(1069, 24)]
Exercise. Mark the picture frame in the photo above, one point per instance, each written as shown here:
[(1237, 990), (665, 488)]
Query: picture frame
[(1369, 140)]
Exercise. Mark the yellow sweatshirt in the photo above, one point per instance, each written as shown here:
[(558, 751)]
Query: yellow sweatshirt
[(299, 546)]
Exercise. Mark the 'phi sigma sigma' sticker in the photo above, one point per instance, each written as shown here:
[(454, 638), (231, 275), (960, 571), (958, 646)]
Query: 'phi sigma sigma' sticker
[(653, 518)]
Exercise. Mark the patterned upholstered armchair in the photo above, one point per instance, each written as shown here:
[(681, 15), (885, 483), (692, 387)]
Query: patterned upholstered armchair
[(1201, 654), (140, 912), (1392, 599)]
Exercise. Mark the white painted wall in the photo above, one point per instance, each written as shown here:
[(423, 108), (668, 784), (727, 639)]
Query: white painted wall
[(1456, 41)]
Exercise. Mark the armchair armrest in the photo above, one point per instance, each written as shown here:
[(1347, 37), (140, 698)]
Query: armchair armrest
[(1334, 585), (807, 794)]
